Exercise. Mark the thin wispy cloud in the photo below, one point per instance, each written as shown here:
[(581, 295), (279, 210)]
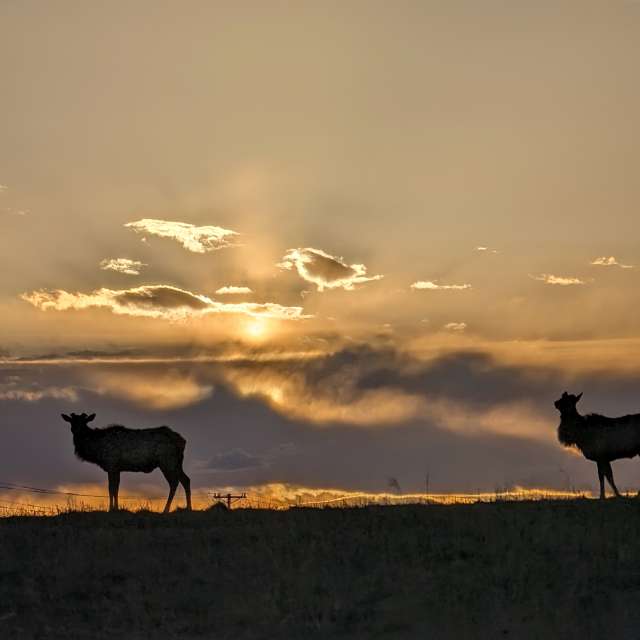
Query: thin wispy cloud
[(155, 301), (35, 394), (3, 188), (483, 249), (604, 261), (563, 281), (433, 286), (324, 270), (191, 237), (231, 290), (122, 265), (457, 327)]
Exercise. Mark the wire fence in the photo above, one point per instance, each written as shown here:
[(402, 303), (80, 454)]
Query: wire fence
[(78, 501)]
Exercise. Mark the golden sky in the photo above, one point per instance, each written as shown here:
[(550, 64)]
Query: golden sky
[(327, 241)]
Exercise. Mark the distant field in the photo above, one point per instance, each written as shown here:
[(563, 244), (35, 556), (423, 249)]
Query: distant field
[(547, 569)]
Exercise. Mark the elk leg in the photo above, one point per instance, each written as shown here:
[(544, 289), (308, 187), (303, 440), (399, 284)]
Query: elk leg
[(173, 485), (601, 478), (608, 471), (114, 485), (186, 483), (173, 479)]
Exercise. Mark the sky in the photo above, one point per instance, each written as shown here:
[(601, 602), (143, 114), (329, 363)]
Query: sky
[(330, 243)]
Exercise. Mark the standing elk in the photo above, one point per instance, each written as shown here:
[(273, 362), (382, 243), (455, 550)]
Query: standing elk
[(116, 448), (597, 437)]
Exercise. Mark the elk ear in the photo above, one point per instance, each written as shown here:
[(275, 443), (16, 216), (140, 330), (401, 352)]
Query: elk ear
[(91, 417), (578, 397), (65, 417)]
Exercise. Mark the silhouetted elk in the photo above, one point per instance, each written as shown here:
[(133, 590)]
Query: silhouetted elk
[(598, 438), (116, 448)]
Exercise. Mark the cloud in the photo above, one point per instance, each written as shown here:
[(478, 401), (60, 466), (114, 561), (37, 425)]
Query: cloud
[(191, 237), (14, 389), (235, 460), (122, 265), (432, 286), (456, 326), (610, 261), (3, 187), (324, 270), (231, 290), (155, 301), (482, 249), (171, 390), (563, 281)]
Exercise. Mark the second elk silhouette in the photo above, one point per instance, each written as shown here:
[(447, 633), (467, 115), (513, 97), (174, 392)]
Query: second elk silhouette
[(116, 448), (597, 437)]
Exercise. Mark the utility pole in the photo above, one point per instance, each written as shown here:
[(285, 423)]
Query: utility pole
[(228, 498)]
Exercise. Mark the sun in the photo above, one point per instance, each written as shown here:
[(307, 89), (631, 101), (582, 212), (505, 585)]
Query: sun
[(256, 329)]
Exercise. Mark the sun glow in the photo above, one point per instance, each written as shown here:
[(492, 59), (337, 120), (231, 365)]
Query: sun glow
[(256, 329)]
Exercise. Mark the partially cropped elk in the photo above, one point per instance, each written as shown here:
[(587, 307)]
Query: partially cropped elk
[(597, 437), (116, 448)]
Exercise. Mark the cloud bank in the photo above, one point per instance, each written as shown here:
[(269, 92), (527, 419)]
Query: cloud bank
[(324, 270), (155, 301), (122, 265), (432, 286), (191, 237)]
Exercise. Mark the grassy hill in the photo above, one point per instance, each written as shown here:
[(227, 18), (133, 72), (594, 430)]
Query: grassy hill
[(557, 569)]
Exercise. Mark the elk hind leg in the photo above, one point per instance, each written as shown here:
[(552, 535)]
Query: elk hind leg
[(114, 486), (186, 483), (173, 478), (608, 472), (601, 479)]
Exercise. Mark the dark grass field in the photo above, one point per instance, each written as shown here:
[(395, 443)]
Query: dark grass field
[(558, 569)]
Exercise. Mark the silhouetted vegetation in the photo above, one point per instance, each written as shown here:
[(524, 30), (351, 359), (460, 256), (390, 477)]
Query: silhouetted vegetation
[(560, 569)]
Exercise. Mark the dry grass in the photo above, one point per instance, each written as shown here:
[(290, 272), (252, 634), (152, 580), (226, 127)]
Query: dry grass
[(561, 569)]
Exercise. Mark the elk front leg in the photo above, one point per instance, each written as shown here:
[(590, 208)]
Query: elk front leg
[(114, 486), (601, 478), (608, 472)]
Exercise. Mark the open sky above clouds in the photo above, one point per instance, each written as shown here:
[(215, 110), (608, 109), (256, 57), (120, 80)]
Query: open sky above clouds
[(330, 243)]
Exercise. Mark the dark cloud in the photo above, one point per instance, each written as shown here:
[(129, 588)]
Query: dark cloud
[(231, 429), (162, 297), (324, 270), (235, 460), (155, 301)]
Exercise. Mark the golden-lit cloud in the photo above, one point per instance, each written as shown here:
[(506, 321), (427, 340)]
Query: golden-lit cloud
[(514, 418), (231, 290), (155, 301), (563, 281), (193, 238), (122, 265), (288, 393), (432, 286), (324, 270), (338, 397), (171, 390), (458, 327), (482, 249), (604, 261)]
